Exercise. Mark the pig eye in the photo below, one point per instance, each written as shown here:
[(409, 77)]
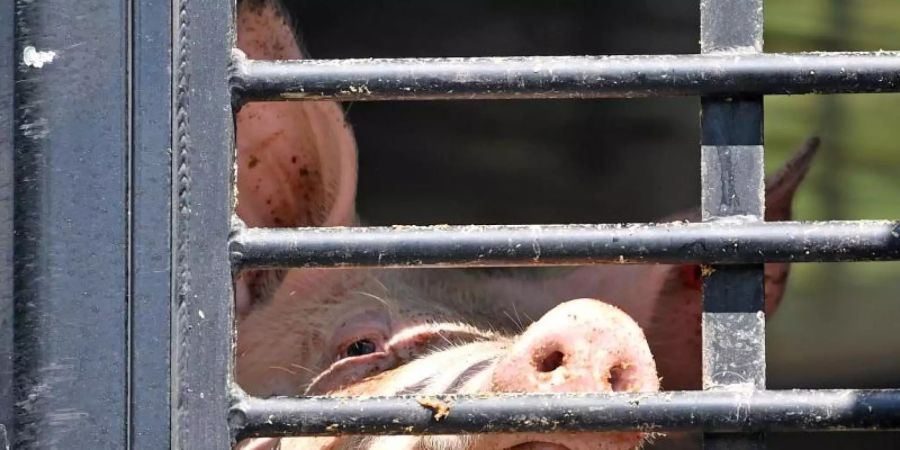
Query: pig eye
[(361, 347)]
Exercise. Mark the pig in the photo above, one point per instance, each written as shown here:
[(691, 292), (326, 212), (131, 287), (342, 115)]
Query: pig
[(425, 331)]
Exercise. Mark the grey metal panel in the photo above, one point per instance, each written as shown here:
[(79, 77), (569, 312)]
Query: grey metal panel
[(151, 202), (203, 153), (70, 144)]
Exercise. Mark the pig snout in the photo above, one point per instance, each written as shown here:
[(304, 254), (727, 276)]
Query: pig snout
[(580, 346)]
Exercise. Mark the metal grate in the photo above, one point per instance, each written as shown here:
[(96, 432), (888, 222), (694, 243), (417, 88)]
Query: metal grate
[(161, 205), (731, 76)]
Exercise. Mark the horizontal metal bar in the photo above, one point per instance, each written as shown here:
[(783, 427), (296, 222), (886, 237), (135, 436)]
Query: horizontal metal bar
[(721, 411), (529, 245), (566, 76)]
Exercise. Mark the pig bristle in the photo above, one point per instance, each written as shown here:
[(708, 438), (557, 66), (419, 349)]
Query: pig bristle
[(460, 442), (383, 300), (284, 369), (517, 321), (307, 369)]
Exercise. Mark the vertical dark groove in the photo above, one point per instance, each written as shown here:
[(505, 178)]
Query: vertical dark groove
[(7, 402), (129, 226), (150, 183)]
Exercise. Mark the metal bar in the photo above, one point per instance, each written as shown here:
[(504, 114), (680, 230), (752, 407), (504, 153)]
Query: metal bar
[(203, 144), (725, 411), (733, 186), (150, 183), (7, 81), (524, 245), (544, 77), (733, 296), (71, 144)]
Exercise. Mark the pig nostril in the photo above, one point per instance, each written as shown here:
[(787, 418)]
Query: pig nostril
[(550, 362), (618, 382)]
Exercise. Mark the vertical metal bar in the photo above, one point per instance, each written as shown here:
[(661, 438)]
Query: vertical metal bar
[(7, 14), (71, 142), (203, 153), (733, 189), (150, 183)]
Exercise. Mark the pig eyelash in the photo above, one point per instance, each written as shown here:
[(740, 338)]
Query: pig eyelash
[(361, 347), (344, 349)]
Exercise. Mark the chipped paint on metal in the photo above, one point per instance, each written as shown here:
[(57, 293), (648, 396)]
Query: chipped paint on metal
[(32, 57)]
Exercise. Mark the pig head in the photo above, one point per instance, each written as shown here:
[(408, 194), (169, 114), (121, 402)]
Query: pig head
[(351, 332)]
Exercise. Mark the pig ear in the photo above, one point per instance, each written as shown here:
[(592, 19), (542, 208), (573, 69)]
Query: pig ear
[(296, 161), (780, 190), (674, 328), (781, 186)]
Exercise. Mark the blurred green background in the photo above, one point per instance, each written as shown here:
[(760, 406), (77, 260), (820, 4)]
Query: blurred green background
[(852, 337)]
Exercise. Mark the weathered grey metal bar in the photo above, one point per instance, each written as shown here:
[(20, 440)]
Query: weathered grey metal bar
[(726, 411), (733, 188), (525, 245), (70, 145), (202, 152), (544, 77)]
